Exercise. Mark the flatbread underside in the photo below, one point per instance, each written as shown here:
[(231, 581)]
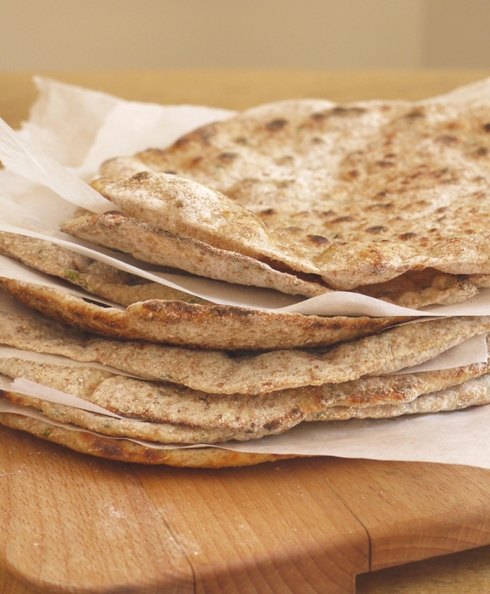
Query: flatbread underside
[(158, 246), (474, 392), (193, 325), (139, 429), (124, 450)]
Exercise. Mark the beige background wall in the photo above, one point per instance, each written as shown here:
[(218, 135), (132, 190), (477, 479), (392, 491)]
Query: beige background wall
[(88, 34)]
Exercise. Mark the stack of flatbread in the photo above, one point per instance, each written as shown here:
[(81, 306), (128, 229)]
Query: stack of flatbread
[(387, 200)]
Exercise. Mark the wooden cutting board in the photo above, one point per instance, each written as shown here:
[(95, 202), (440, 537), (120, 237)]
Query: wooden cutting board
[(71, 523)]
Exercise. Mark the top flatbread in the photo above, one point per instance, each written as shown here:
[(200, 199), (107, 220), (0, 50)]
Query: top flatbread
[(359, 194)]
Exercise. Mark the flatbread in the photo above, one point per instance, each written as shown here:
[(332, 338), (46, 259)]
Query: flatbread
[(172, 413), (474, 392), (218, 372), (91, 275), (159, 246), (127, 451), (140, 429), (193, 325), (359, 194), (148, 243), (401, 388), (471, 393), (419, 288)]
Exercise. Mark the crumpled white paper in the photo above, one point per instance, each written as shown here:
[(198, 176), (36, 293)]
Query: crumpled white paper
[(79, 129)]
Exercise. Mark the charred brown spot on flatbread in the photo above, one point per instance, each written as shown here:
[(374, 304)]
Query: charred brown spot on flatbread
[(318, 239), (277, 124), (377, 229), (228, 157)]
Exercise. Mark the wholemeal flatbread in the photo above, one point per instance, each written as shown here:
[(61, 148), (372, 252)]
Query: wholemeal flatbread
[(402, 387), (129, 451), (419, 288), (148, 243), (156, 411), (159, 246), (139, 429), (164, 412), (218, 372), (474, 392), (91, 275), (471, 393), (301, 197), (193, 325), (359, 194)]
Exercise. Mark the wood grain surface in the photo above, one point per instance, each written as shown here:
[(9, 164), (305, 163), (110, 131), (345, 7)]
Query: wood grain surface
[(70, 523)]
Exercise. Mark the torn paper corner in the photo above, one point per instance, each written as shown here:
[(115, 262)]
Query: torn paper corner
[(82, 128)]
